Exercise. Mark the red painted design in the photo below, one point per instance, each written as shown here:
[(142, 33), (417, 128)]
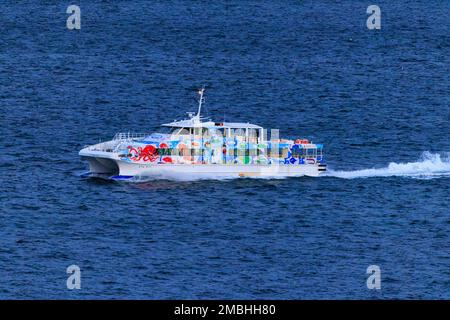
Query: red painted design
[(147, 154)]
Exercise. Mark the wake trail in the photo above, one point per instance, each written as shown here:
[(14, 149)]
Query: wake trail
[(429, 166)]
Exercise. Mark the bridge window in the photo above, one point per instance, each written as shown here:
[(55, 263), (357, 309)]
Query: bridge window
[(237, 132)]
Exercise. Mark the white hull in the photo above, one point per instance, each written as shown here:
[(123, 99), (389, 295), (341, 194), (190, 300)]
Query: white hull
[(180, 171), (107, 164)]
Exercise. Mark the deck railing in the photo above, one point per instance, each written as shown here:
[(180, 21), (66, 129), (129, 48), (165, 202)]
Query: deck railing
[(130, 136)]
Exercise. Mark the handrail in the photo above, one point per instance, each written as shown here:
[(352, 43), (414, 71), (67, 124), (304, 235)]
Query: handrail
[(129, 136)]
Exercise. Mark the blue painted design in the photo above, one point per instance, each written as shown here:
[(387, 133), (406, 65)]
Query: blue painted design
[(122, 177)]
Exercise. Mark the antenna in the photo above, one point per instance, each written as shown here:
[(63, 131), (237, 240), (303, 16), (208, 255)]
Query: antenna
[(201, 100)]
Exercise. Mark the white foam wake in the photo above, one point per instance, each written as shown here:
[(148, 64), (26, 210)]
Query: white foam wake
[(429, 166)]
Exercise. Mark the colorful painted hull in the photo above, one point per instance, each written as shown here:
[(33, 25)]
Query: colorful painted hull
[(110, 164)]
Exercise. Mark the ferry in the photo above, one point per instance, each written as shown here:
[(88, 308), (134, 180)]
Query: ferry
[(200, 148)]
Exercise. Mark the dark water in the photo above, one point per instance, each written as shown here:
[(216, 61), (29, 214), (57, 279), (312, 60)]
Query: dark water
[(308, 68)]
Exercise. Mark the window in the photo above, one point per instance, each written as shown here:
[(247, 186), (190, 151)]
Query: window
[(311, 152), (184, 152), (296, 152), (221, 132), (237, 132), (165, 151), (194, 152)]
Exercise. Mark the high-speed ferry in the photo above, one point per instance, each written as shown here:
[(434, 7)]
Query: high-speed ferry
[(200, 148)]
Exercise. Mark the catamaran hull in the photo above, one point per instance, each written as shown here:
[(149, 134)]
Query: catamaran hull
[(123, 170)]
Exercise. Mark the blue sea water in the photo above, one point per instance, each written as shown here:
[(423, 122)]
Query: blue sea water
[(377, 99)]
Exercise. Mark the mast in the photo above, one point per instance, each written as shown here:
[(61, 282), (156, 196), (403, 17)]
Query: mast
[(200, 101)]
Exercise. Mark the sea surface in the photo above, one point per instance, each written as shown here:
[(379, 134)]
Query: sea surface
[(377, 99)]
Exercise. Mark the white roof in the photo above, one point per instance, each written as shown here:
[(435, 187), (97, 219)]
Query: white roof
[(238, 125), (195, 123)]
